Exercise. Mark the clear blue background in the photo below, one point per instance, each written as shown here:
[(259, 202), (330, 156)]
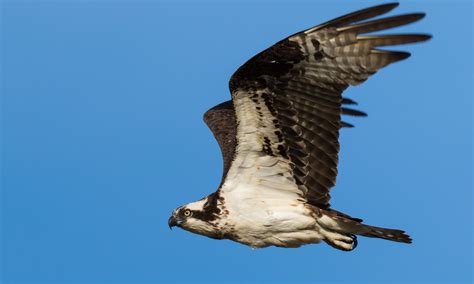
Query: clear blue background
[(102, 137)]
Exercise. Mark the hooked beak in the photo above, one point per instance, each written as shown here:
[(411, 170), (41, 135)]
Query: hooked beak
[(172, 222)]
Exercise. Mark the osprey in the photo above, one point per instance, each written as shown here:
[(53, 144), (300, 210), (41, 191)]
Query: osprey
[(279, 136)]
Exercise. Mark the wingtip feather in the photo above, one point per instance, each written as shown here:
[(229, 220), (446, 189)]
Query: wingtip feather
[(392, 39), (357, 16), (382, 24)]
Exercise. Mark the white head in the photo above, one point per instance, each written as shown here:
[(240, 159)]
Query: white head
[(200, 217)]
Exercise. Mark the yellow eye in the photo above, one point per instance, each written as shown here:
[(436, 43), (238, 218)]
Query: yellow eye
[(187, 213)]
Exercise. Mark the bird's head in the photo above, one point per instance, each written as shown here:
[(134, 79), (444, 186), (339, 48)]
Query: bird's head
[(200, 217)]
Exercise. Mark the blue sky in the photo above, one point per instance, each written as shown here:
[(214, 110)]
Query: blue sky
[(102, 137)]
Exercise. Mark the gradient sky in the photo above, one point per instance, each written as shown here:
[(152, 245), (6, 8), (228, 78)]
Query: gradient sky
[(102, 137)]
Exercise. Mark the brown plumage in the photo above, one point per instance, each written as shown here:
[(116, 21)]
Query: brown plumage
[(221, 121)]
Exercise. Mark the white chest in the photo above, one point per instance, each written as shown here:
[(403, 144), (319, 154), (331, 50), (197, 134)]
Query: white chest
[(259, 216)]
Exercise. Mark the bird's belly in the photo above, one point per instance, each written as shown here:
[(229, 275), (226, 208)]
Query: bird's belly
[(265, 206), (284, 225)]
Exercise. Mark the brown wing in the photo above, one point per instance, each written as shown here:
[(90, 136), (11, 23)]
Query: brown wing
[(302, 78), (221, 121)]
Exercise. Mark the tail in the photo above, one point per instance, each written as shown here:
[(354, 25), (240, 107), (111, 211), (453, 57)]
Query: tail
[(348, 226), (384, 233)]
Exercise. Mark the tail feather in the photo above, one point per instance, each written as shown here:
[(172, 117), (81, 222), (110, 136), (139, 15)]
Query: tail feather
[(343, 223), (388, 234)]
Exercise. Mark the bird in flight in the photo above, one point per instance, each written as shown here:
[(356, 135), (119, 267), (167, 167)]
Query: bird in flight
[(279, 136)]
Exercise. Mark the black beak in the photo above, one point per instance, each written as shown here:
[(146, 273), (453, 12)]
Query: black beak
[(172, 222)]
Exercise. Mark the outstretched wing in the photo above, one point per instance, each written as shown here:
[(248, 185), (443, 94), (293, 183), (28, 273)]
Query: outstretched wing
[(288, 101)]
